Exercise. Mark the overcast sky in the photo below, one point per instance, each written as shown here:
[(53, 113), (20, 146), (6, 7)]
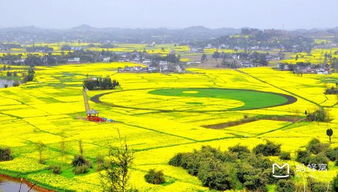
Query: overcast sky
[(282, 14)]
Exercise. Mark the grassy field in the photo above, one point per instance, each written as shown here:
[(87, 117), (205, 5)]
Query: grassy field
[(50, 110)]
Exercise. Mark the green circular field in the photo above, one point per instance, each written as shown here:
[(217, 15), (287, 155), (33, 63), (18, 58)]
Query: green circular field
[(192, 99), (252, 99)]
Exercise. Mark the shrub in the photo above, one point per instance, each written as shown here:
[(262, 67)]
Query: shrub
[(176, 160), (255, 183), (319, 115), (259, 162), (285, 156), (335, 183), (100, 163), (230, 157), (5, 154), (318, 159), (244, 169), (79, 160), (285, 186), (55, 169), (332, 154), (80, 164), (155, 177), (316, 147), (81, 169), (316, 186), (242, 151), (217, 175), (302, 156), (268, 149)]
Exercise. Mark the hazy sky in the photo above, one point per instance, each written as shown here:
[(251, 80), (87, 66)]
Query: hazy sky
[(283, 14)]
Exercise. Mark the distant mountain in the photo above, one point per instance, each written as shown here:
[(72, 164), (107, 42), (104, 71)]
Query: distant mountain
[(83, 27), (88, 33), (93, 34)]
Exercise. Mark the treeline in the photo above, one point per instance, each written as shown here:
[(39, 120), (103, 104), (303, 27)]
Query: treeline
[(254, 57), (239, 168), (262, 39), (50, 59), (19, 75), (100, 83)]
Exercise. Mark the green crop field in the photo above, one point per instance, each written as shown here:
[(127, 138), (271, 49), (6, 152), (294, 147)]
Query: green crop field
[(251, 99)]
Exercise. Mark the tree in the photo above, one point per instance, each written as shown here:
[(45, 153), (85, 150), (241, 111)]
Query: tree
[(40, 147), (115, 174), (5, 154), (63, 148), (80, 147), (268, 149), (285, 186), (319, 115), (154, 177), (30, 75), (204, 58), (329, 132), (335, 183)]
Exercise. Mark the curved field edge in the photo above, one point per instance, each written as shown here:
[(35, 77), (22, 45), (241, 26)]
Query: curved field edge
[(249, 97)]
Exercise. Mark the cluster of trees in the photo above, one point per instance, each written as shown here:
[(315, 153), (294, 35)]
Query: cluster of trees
[(240, 168), (317, 153), (45, 49), (100, 83), (265, 39), (50, 59), (8, 46), (332, 90), (236, 168), (318, 115), (30, 75)]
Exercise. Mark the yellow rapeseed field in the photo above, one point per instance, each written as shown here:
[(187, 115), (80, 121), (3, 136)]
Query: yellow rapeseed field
[(50, 110)]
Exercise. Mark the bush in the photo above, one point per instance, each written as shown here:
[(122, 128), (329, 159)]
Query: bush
[(55, 169), (285, 156), (332, 154), (81, 169), (316, 186), (319, 115), (254, 182), (80, 164), (100, 163), (268, 149), (302, 157), (244, 169), (285, 186), (259, 162), (155, 177), (242, 151), (217, 175), (316, 147), (335, 184), (318, 159), (79, 160), (176, 160), (5, 154)]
